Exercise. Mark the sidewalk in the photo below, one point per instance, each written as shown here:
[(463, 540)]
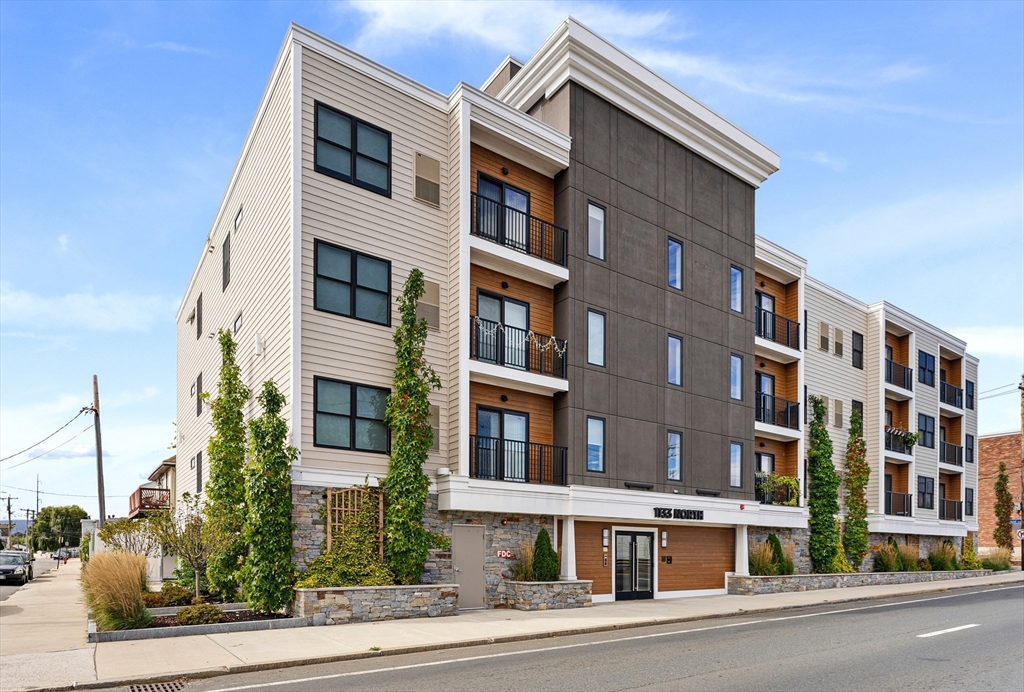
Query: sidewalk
[(201, 656)]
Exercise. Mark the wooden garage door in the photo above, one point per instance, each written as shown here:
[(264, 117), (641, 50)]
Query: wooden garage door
[(700, 558)]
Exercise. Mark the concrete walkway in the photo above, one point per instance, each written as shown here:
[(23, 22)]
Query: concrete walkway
[(200, 656)]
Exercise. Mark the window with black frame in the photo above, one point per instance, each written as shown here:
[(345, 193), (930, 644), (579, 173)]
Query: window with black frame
[(926, 430), (969, 502), (352, 150), (351, 284), (349, 416), (925, 492), (926, 368), (858, 350)]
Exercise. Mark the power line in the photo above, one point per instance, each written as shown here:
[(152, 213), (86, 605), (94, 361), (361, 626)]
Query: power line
[(993, 396), (84, 409), (47, 451), (1012, 384), (43, 492)]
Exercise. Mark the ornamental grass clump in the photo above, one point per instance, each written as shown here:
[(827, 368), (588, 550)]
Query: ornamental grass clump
[(111, 587), (887, 558), (522, 568), (909, 558), (762, 561), (943, 558), (998, 559), (545, 559)]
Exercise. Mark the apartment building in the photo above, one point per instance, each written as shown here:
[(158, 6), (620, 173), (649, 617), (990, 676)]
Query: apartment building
[(620, 353)]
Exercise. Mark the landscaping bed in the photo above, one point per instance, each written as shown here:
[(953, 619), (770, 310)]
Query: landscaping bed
[(163, 632), (236, 615), (751, 586)]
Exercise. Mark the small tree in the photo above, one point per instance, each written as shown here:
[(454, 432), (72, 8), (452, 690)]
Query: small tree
[(128, 536), (188, 534), (545, 559), (855, 535), (408, 415), (268, 574), (225, 489), (823, 503), (1003, 506)]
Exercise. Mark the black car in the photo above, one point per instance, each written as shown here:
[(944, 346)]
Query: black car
[(13, 568)]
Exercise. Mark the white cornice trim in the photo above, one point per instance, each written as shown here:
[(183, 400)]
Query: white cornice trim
[(919, 325), (574, 52), (494, 75), (771, 253), (835, 293)]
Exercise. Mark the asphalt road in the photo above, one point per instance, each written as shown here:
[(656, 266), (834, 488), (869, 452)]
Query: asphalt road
[(40, 566), (894, 644)]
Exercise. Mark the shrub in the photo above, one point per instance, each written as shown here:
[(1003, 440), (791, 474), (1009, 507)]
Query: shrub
[(968, 557), (776, 546), (841, 564), (909, 556), (787, 560), (522, 568), (762, 562), (128, 536), (110, 585), (998, 559), (175, 595), (185, 577), (943, 558), (83, 548), (203, 614), (545, 559), (438, 541), (153, 600), (924, 565), (823, 502), (887, 558)]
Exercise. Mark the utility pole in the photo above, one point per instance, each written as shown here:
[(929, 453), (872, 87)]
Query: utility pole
[(99, 448), (37, 494), (27, 511), (10, 523)]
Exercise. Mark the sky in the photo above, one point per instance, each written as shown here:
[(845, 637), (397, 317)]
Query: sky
[(900, 129)]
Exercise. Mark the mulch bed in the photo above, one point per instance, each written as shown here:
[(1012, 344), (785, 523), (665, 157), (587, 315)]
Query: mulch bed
[(229, 616)]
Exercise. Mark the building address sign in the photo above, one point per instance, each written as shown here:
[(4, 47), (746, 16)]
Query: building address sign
[(676, 513)]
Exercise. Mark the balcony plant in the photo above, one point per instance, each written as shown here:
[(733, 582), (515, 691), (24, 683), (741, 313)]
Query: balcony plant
[(909, 438), (768, 483)]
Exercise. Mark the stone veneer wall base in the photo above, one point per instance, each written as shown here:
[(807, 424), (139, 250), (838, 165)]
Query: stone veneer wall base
[(548, 595), (341, 605), (753, 586)]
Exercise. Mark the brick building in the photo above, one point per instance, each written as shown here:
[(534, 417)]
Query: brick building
[(992, 449)]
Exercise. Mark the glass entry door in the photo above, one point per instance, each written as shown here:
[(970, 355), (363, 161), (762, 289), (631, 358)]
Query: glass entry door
[(634, 565), (504, 213), (503, 334), (766, 314), (501, 444), (765, 397)]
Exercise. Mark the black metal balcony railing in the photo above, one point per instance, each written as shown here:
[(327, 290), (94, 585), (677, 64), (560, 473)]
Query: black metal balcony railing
[(517, 230), (951, 510), (775, 410), (781, 494), (899, 375), (951, 454), (773, 327), (948, 394), (495, 459), (492, 342), (896, 441), (898, 504)]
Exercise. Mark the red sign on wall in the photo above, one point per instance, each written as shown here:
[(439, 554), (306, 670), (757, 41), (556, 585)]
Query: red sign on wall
[(507, 554)]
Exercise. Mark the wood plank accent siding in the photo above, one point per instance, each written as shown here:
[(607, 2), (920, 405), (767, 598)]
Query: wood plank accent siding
[(899, 476), (590, 556), (953, 371), (952, 482), (954, 429), (701, 555), (900, 349), (540, 408), (785, 454), (785, 376), (786, 295), (540, 187), (899, 413), (540, 299)]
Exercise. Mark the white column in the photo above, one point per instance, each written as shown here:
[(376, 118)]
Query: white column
[(569, 549), (742, 566)]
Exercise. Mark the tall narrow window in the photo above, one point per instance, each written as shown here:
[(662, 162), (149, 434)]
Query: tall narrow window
[(969, 448), (858, 350), (199, 394), (838, 345), (199, 316), (735, 288), (925, 492), (595, 230), (199, 473), (969, 394), (675, 360), (675, 264), (857, 406), (926, 430), (349, 416), (926, 368), (823, 336), (736, 464), (595, 337), (675, 446), (595, 444), (428, 180), (351, 284), (736, 377), (351, 150), (238, 219), (838, 410), (969, 501), (225, 262)]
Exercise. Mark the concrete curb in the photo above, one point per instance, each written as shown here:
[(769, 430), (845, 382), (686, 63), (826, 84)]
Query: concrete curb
[(355, 656), (192, 630)]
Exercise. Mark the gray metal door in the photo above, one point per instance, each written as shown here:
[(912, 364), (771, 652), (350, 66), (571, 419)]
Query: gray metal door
[(468, 564)]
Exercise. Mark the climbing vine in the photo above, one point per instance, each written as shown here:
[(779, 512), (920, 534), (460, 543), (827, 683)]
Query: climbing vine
[(823, 502), (225, 489), (268, 574), (855, 533), (408, 416), (1003, 506)]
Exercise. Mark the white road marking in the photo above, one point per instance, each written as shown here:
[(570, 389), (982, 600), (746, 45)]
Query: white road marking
[(579, 645), (951, 629)]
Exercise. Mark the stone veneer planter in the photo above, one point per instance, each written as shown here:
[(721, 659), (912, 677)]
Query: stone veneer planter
[(751, 586), (341, 605), (95, 636), (548, 595)]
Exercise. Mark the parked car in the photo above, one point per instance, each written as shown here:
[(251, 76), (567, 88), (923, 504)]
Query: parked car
[(29, 559), (13, 569)]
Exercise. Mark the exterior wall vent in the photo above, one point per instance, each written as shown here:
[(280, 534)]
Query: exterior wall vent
[(428, 180), (429, 307), (823, 336), (838, 339)]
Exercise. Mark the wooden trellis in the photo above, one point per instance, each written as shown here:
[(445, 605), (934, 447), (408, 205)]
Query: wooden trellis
[(342, 506)]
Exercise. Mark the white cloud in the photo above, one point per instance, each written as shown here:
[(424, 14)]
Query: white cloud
[(109, 312), (62, 242), (999, 341), (179, 48), (836, 163)]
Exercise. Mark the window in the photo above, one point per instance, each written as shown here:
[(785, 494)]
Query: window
[(349, 416), (428, 180), (225, 263), (805, 330), (926, 368), (764, 462), (969, 449), (429, 306), (595, 444), (823, 336), (199, 394), (824, 403), (858, 350), (237, 325), (595, 230), (736, 464), (807, 408), (735, 289), (675, 360), (969, 501), (199, 316), (970, 394), (925, 492), (352, 150), (675, 446), (858, 407), (675, 264), (926, 429), (736, 377), (435, 428), (352, 284), (595, 337), (238, 219), (199, 473), (838, 409), (838, 339)]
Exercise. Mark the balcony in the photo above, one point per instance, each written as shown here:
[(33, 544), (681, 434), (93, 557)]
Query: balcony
[(951, 454), (521, 349), (147, 500), (775, 410), (776, 328), (951, 510), (517, 230), (898, 504), (896, 441), (494, 459), (950, 395), (899, 375), (776, 490)]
